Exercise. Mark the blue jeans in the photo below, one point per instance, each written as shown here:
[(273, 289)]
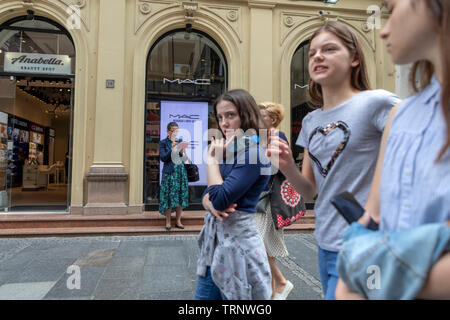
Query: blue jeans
[(206, 289), (328, 274)]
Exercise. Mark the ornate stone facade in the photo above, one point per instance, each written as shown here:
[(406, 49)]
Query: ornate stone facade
[(113, 39)]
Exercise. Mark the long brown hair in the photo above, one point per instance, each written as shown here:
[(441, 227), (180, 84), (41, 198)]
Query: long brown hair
[(246, 106), (359, 78), (440, 10)]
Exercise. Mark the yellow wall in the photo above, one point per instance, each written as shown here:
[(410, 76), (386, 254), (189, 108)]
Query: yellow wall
[(258, 39)]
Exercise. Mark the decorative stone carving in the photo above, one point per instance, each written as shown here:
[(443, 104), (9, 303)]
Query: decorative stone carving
[(365, 27), (27, 3), (229, 17), (232, 15), (80, 3), (145, 8), (190, 8), (148, 9), (288, 21), (77, 13)]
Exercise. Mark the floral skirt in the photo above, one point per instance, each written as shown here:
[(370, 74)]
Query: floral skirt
[(174, 189)]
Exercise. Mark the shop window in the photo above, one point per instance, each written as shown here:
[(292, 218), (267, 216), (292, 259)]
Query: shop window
[(37, 64), (188, 70)]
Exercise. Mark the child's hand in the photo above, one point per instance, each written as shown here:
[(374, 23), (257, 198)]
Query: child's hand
[(218, 148), (278, 152)]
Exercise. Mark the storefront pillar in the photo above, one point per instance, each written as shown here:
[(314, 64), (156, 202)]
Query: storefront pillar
[(107, 178), (261, 51)]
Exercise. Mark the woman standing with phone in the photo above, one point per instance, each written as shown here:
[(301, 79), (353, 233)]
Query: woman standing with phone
[(174, 182), (341, 138)]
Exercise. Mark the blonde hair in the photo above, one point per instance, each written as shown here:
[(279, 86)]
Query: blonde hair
[(274, 110)]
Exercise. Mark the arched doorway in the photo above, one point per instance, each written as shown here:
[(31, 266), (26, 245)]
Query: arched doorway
[(300, 105), (37, 64), (299, 96), (186, 71)]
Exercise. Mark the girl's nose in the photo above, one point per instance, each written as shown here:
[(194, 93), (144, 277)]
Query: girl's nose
[(318, 55), (225, 123)]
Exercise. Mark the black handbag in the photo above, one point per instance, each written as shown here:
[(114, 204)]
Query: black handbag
[(192, 171), (286, 204)]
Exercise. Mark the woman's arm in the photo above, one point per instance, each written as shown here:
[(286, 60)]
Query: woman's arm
[(280, 155), (213, 174), (224, 192), (373, 202), (164, 151), (343, 292), (220, 215), (437, 285)]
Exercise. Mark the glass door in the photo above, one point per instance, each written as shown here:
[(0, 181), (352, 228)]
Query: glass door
[(36, 106), (8, 168), (68, 155), (186, 72)]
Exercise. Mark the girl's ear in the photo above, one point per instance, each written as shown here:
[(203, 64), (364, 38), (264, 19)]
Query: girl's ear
[(355, 61)]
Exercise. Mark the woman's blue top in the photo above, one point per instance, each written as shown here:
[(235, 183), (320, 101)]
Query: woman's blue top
[(415, 190), (245, 174)]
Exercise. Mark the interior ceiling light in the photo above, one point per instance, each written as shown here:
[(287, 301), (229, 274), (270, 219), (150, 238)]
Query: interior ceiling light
[(331, 1)]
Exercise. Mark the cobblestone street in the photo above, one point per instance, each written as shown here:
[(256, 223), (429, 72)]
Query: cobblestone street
[(130, 268)]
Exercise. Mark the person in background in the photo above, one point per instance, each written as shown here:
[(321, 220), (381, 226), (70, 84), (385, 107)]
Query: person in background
[(66, 165), (174, 182), (272, 115), (410, 190), (341, 138), (232, 263)]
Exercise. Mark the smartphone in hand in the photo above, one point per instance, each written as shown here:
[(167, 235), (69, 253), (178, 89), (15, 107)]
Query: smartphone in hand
[(350, 209), (182, 146)]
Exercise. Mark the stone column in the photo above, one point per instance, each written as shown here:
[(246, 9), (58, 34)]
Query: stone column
[(107, 179), (261, 51)]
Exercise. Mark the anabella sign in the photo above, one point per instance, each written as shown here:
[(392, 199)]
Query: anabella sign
[(37, 63)]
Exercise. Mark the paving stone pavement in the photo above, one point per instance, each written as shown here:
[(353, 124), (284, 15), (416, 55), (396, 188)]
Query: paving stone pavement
[(128, 268)]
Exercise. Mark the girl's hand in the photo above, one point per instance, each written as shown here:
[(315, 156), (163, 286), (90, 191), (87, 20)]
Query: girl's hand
[(365, 219), (278, 152), (220, 215), (218, 148)]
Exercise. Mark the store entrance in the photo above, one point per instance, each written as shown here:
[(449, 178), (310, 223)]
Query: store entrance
[(35, 146), (186, 72), (37, 70)]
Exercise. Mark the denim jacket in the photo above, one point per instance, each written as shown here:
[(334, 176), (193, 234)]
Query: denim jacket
[(390, 265)]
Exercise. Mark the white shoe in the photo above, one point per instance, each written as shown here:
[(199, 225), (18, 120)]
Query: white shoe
[(285, 293)]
